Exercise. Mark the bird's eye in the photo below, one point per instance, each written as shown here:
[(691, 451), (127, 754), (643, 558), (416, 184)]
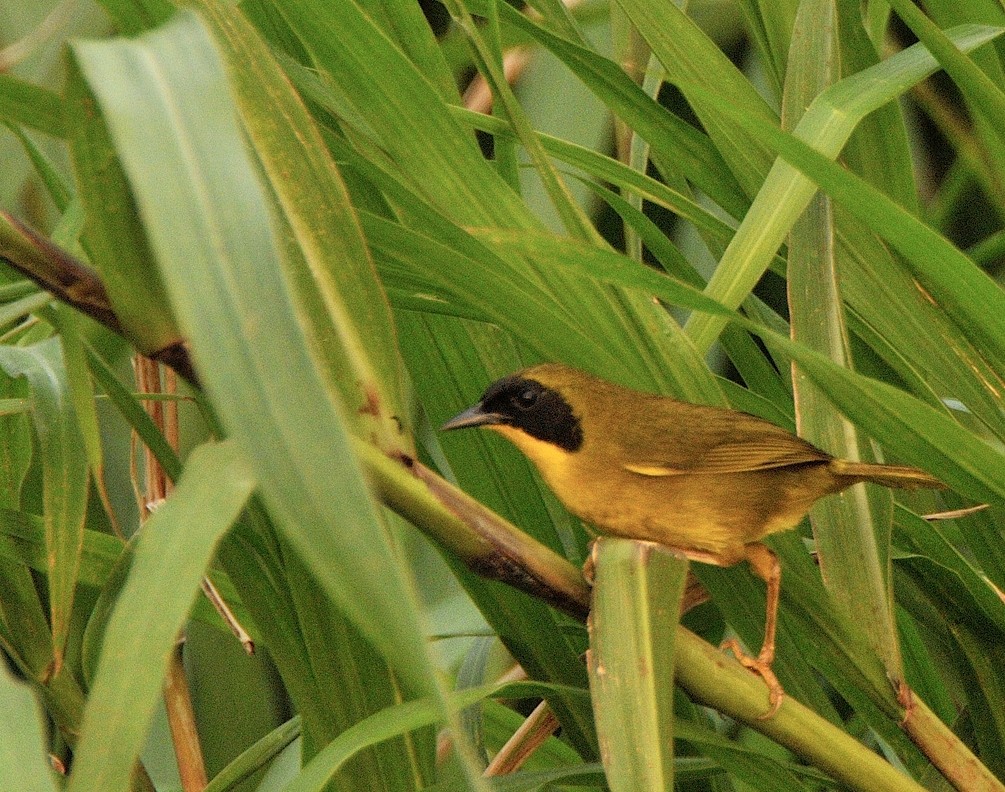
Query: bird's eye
[(526, 398)]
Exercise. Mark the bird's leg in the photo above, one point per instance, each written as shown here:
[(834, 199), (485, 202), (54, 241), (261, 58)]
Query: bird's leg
[(764, 563)]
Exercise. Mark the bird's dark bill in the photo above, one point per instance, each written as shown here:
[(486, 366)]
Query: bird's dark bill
[(473, 416)]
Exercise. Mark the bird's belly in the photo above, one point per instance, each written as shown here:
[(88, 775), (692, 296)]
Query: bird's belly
[(699, 529), (716, 514)]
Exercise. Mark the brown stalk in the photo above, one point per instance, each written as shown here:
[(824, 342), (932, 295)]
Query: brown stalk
[(181, 719), (74, 283), (532, 734), (157, 487)]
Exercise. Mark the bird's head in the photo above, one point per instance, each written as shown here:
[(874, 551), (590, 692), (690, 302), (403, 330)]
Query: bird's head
[(536, 402)]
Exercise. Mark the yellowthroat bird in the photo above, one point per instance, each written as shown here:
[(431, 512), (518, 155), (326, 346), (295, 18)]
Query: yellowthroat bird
[(706, 481)]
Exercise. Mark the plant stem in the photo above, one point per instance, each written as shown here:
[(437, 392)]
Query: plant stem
[(713, 679), (181, 719), (945, 750)]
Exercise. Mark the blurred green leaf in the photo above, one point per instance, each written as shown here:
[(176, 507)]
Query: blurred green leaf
[(987, 695), (256, 756), (134, 414), (23, 763), (135, 16), (113, 234), (32, 106), (380, 726), (57, 186), (172, 554), (64, 471)]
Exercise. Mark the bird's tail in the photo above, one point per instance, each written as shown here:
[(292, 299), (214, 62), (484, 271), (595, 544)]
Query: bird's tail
[(900, 476)]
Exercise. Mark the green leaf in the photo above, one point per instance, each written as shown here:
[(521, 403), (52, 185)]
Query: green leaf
[(950, 280), (380, 726), (208, 220), (879, 150), (771, 25), (987, 694), (826, 126), (64, 473), (13, 312), (24, 536), (571, 214), (333, 279), (256, 756), (853, 530), (984, 96), (932, 539), (32, 106), (405, 111), (113, 235), (79, 386), (674, 142), (93, 639), (636, 605), (172, 554), (910, 428), (134, 414), (15, 439), (464, 276), (23, 541), (55, 183), (761, 769), (386, 724), (605, 168), (692, 59), (135, 16), (23, 746), (24, 632)]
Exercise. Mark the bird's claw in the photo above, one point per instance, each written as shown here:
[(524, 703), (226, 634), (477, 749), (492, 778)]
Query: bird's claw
[(762, 667)]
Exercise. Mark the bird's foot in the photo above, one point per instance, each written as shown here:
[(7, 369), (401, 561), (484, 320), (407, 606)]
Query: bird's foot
[(761, 666)]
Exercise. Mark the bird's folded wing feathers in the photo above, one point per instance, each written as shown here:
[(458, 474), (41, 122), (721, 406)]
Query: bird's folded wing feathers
[(741, 456)]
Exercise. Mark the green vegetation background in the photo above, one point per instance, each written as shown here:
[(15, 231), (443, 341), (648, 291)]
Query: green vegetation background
[(294, 188)]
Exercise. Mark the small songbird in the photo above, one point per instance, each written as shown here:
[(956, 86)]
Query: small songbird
[(706, 481)]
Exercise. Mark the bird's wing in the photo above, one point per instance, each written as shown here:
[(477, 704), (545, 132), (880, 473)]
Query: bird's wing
[(738, 455)]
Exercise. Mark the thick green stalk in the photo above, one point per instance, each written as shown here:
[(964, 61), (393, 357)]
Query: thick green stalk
[(488, 544), (711, 678), (945, 750)]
